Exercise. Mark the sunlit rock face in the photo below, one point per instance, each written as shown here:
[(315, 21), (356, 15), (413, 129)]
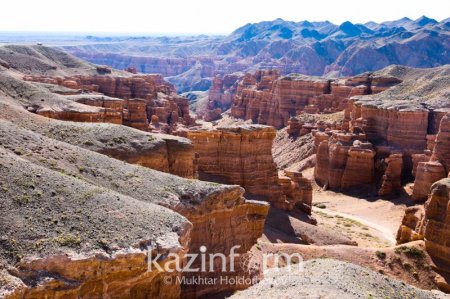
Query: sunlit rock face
[(242, 155), (268, 98)]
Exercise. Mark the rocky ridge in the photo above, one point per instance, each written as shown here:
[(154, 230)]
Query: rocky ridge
[(312, 48), (266, 98), (398, 124), (47, 212)]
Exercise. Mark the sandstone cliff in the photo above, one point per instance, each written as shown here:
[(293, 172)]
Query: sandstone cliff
[(59, 242), (267, 98), (401, 124), (436, 166), (242, 155), (431, 223), (210, 208), (143, 96), (80, 241), (344, 161), (220, 95), (54, 84), (161, 152)]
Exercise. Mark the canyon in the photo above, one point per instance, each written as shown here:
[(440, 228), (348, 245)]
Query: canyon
[(103, 170), (311, 48)]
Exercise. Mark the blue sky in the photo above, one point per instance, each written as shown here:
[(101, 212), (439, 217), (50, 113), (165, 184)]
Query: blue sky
[(199, 16)]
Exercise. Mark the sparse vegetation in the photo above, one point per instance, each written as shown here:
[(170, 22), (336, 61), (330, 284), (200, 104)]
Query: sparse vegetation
[(68, 240), (380, 254), (412, 252), (22, 200)]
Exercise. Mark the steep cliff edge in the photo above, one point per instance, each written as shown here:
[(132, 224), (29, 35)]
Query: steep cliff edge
[(401, 124), (61, 242), (161, 152), (62, 172), (220, 95), (432, 224), (211, 208), (54, 84), (266, 98), (242, 155)]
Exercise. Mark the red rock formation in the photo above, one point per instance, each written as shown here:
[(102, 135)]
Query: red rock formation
[(432, 224), (344, 160), (242, 155), (135, 114), (392, 178), (294, 126), (411, 228), (426, 174), (268, 99), (221, 95), (417, 158), (437, 221), (157, 97), (441, 150), (219, 218), (439, 164)]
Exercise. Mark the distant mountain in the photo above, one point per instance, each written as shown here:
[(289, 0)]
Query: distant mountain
[(313, 48)]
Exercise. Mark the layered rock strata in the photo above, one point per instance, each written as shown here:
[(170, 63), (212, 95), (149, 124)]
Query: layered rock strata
[(267, 98), (403, 120), (242, 155), (161, 152), (438, 165), (432, 224), (392, 177), (220, 215), (143, 95), (64, 243), (344, 160), (220, 95)]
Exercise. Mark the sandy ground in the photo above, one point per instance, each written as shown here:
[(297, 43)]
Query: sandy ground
[(382, 216)]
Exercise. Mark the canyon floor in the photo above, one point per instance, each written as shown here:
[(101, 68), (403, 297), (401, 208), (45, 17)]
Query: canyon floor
[(370, 221)]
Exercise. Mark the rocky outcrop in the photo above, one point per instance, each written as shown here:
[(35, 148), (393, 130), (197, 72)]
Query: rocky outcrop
[(242, 155), (220, 95), (432, 224), (68, 243), (143, 96), (436, 222), (394, 125), (161, 152), (441, 150), (392, 177), (426, 174), (411, 228), (344, 160), (267, 98), (220, 215), (406, 130), (438, 165)]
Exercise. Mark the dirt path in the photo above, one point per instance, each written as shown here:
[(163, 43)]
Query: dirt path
[(384, 232)]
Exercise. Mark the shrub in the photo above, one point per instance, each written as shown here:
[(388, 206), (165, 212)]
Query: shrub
[(380, 254)]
